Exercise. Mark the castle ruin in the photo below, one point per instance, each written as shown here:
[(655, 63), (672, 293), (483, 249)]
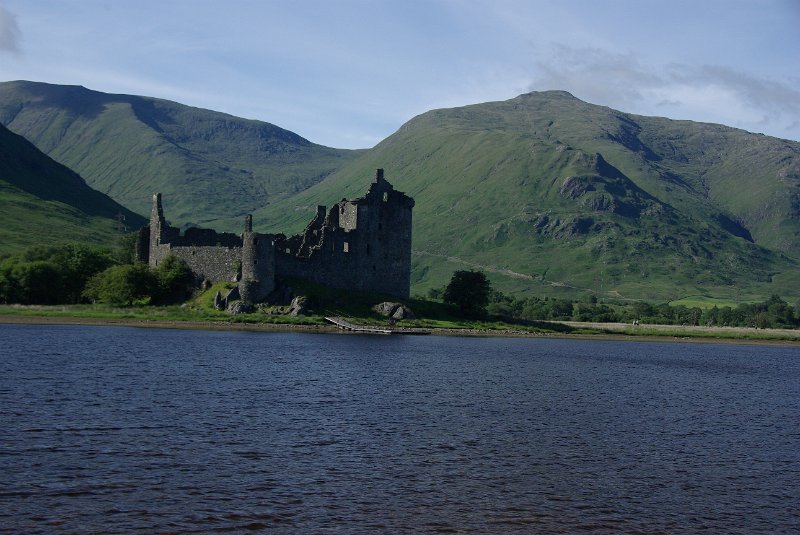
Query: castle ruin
[(362, 244)]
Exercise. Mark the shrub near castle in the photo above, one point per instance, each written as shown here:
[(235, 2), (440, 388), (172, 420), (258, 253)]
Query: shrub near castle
[(127, 284)]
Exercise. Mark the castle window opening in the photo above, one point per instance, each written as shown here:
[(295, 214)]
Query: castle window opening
[(346, 247), (385, 196)]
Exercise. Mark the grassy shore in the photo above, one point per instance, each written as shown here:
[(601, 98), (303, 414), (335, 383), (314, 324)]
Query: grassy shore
[(692, 332), (188, 317)]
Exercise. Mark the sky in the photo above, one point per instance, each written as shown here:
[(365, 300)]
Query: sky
[(349, 73)]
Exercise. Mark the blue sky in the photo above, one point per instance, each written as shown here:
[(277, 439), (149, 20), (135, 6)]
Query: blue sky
[(348, 73)]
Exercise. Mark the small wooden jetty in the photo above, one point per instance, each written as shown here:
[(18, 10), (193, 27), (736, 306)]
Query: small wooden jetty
[(347, 326)]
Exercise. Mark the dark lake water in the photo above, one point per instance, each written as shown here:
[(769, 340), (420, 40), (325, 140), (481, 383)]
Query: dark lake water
[(112, 430)]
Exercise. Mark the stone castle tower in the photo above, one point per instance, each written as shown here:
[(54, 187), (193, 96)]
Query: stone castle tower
[(258, 264), (362, 244)]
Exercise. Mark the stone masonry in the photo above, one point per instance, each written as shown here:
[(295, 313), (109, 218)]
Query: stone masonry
[(362, 244)]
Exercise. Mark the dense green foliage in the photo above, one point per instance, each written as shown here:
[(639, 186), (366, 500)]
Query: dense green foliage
[(469, 291), (51, 275), (174, 281), (208, 165), (474, 287), (76, 273), (125, 284)]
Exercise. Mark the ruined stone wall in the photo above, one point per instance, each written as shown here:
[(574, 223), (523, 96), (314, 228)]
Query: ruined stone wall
[(348, 215), (385, 244), (209, 254), (142, 250), (327, 263), (212, 263), (363, 245)]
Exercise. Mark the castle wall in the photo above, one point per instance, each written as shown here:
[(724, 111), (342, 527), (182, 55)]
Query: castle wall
[(142, 250), (212, 263), (362, 244), (327, 263), (209, 254), (348, 215)]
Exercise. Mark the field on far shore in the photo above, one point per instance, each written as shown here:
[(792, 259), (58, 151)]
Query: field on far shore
[(689, 330)]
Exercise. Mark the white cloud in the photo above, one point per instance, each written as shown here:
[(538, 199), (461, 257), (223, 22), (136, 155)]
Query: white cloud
[(9, 31), (705, 93), (603, 77)]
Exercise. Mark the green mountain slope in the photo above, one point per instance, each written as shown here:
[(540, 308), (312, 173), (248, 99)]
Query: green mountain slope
[(208, 165), (44, 203), (551, 194)]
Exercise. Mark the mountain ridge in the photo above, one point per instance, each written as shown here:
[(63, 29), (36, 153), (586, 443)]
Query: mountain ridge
[(213, 164), (44, 203), (592, 185)]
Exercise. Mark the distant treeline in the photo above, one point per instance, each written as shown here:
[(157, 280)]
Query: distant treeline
[(772, 313)]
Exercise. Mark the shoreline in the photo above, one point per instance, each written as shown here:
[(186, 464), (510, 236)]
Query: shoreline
[(693, 334)]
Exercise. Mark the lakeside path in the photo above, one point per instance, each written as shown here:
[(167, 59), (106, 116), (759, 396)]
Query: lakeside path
[(608, 331)]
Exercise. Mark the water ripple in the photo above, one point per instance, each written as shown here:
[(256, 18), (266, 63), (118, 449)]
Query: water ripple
[(119, 430)]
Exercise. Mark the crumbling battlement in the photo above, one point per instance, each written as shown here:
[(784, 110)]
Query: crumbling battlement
[(211, 255), (362, 244)]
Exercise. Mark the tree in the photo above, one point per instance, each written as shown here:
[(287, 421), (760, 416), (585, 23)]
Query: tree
[(469, 290), (560, 309), (175, 281), (125, 251), (122, 284), (435, 293), (37, 282), (78, 263), (779, 313), (54, 274)]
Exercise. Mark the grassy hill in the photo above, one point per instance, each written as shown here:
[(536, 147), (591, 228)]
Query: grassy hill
[(553, 195), (208, 165), (546, 193), (44, 203)]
